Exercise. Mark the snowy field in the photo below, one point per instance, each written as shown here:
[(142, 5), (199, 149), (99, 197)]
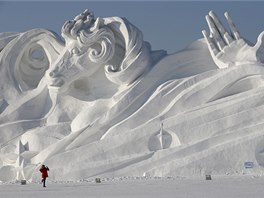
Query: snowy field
[(222, 187)]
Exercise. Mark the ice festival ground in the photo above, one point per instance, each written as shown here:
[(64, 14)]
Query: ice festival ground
[(218, 187)]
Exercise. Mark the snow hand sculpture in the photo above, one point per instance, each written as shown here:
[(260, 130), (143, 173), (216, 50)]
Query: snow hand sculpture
[(230, 50)]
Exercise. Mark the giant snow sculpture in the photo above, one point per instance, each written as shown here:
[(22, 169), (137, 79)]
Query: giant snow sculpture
[(100, 102)]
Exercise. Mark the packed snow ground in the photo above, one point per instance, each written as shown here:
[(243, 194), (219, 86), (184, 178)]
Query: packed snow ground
[(218, 187)]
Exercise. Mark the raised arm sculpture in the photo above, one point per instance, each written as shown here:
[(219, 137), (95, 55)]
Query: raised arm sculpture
[(227, 49)]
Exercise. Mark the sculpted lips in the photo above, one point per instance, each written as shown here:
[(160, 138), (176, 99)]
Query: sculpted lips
[(56, 82), (54, 79)]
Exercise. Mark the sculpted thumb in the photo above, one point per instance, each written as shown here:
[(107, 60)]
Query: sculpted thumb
[(259, 47)]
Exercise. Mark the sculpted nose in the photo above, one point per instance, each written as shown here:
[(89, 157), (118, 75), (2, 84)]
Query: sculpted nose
[(52, 74)]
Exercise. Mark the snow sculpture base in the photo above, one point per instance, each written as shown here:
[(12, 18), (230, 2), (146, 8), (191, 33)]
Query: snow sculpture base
[(23, 182)]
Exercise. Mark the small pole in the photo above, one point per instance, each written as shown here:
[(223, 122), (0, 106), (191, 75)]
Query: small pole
[(97, 180)]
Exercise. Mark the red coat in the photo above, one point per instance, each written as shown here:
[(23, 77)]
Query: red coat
[(44, 171)]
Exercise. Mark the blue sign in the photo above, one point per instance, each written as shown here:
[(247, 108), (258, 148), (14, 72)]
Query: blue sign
[(249, 164)]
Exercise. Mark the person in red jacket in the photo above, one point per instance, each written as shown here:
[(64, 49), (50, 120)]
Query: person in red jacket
[(44, 173)]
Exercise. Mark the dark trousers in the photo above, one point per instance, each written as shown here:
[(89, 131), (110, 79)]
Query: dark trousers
[(44, 181)]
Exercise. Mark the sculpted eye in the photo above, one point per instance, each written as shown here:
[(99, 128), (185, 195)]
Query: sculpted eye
[(75, 51)]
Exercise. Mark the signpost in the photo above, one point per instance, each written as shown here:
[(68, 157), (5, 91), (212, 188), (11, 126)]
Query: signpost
[(248, 164)]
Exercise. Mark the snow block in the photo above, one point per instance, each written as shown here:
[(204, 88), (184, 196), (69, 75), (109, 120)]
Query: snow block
[(23, 182), (208, 177)]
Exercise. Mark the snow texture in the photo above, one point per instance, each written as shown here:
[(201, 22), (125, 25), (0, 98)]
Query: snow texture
[(102, 103), (218, 187)]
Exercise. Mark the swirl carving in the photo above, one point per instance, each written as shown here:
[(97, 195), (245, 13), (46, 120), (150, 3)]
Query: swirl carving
[(102, 44), (112, 42)]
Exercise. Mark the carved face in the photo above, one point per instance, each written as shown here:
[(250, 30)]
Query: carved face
[(73, 64), (112, 43), (82, 56)]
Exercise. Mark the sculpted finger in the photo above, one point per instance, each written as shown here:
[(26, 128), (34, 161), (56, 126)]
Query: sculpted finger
[(214, 32), (211, 45), (232, 26), (224, 34), (228, 39), (217, 23)]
